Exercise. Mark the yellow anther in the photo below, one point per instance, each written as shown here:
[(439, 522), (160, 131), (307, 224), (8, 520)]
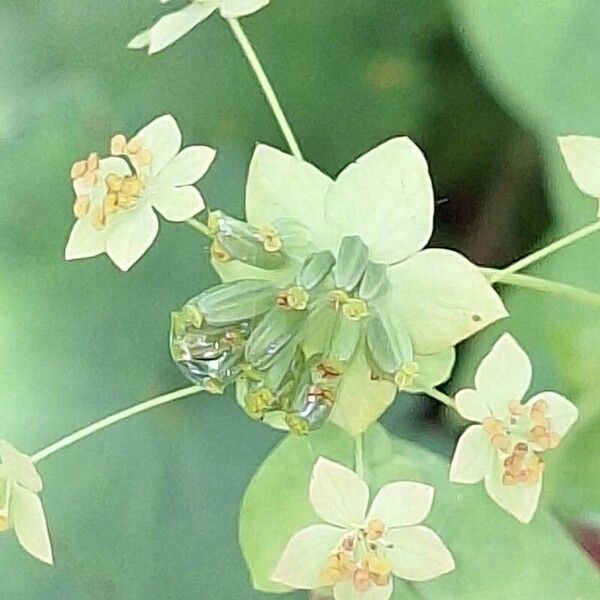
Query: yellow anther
[(98, 218), (134, 145), (86, 169), (500, 441), (258, 402), (521, 468), (493, 426), (361, 580), (375, 529), (294, 298), (379, 569), (547, 440), (114, 183), (81, 207), (339, 566), (214, 220), (338, 298), (123, 192), (297, 425), (213, 386), (118, 144), (218, 253), (4, 524), (355, 309), (516, 408), (538, 414), (270, 237), (329, 369), (405, 377)]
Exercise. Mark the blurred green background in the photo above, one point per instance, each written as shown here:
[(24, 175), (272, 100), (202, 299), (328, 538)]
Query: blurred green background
[(148, 509)]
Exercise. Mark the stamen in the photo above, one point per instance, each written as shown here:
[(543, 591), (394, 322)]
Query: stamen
[(355, 309), (123, 192), (134, 149), (294, 298), (406, 375), (81, 207), (361, 580), (98, 218), (375, 529), (379, 569), (521, 468), (493, 426), (270, 237), (218, 253), (338, 298), (86, 169), (329, 369)]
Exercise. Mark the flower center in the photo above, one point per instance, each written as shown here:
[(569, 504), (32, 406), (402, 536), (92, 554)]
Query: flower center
[(521, 439), (294, 298), (361, 559)]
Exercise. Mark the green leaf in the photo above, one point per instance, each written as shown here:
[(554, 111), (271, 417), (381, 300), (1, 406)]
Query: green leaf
[(496, 557)]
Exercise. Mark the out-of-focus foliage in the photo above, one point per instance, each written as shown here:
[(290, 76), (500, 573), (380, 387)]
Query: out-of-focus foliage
[(542, 59), (148, 509)]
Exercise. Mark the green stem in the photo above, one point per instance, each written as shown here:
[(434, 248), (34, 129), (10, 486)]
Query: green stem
[(546, 251), (359, 460), (443, 398), (110, 420), (201, 227), (266, 86), (544, 285)]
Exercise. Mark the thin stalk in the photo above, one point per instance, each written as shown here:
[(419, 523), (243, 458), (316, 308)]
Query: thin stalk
[(359, 460), (266, 86), (443, 398), (112, 419), (544, 285), (201, 227), (546, 251)]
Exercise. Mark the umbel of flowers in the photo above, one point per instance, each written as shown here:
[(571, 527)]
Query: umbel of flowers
[(329, 304)]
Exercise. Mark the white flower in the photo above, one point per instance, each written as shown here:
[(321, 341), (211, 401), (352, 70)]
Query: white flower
[(431, 300), (168, 29), (20, 507), (582, 155), (115, 196), (505, 449), (358, 551)]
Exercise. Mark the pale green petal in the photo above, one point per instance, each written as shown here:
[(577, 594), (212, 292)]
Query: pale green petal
[(504, 374), (402, 503), (361, 400), (141, 40), (234, 269), (85, 241), (473, 456), (282, 186), (442, 298), (177, 203), (305, 557), (418, 553), (561, 412), (386, 198), (163, 138), (128, 242), (473, 406), (521, 501), (168, 29), (30, 524), (337, 494), (188, 166), (434, 369), (345, 590), (231, 9), (582, 155), (21, 469)]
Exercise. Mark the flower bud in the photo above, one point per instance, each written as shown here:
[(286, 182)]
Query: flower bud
[(352, 260), (315, 269), (389, 345), (374, 281)]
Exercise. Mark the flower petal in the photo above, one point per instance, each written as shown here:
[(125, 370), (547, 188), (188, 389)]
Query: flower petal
[(232, 9), (561, 412), (168, 29), (338, 495), (141, 40), (582, 155), (519, 500), (360, 399), (418, 553), (434, 369), (442, 298), (305, 557), (163, 138), (402, 503), (30, 524), (282, 186), (472, 457), (188, 166), (177, 203), (20, 466), (131, 238), (386, 198), (85, 241), (345, 590), (473, 406), (504, 374)]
